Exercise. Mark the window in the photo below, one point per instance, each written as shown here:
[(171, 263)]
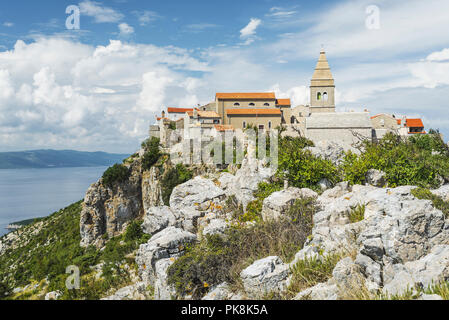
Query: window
[(325, 97), (244, 124), (292, 120), (216, 121), (266, 104), (236, 104), (252, 104), (269, 124), (318, 96), (261, 127)]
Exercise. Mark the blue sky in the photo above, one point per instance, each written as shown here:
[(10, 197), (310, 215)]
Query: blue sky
[(98, 88)]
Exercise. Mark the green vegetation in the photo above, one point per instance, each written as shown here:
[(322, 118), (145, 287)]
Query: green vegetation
[(116, 174), (152, 152), (358, 213), (221, 258), (254, 208), (56, 245), (437, 201), (419, 160), (309, 272), (172, 178), (301, 168)]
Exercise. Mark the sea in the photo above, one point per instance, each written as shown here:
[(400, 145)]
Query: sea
[(35, 193)]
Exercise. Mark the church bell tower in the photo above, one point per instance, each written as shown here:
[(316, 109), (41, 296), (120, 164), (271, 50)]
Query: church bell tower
[(322, 87)]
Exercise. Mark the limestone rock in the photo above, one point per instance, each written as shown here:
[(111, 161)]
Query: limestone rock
[(158, 218), (321, 291), (216, 226), (162, 290), (328, 150), (278, 203), (169, 243), (133, 292), (265, 276), (220, 292), (376, 178), (196, 193)]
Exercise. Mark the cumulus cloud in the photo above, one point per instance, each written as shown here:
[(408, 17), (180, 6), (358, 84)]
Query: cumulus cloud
[(55, 93), (100, 13), (145, 17), (442, 55)]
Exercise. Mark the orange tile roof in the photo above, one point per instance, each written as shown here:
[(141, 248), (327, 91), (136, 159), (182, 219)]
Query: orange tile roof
[(224, 127), (205, 114), (249, 95), (414, 123), (399, 121), (253, 111), (283, 102), (179, 110)]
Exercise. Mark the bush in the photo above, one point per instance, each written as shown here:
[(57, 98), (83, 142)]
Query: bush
[(4, 290), (254, 208), (301, 168), (405, 162), (309, 272), (152, 152), (116, 174), (172, 178), (358, 213), (217, 259)]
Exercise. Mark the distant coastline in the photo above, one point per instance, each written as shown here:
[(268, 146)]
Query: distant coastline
[(39, 159)]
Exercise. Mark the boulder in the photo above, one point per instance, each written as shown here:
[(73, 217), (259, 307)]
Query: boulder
[(321, 291), (162, 290), (265, 276), (169, 243), (215, 226), (376, 178), (158, 218), (135, 291), (197, 193), (278, 203), (328, 150)]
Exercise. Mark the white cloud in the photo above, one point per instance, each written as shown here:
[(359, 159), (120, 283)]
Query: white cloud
[(8, 24), (100, 13), (248, 33), (145, 17), (125, 29), (279, 12), (439, 56)]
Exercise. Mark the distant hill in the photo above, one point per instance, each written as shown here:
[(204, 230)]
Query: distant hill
[(57, 159)]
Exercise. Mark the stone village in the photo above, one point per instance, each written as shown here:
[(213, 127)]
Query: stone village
[(319, 121)]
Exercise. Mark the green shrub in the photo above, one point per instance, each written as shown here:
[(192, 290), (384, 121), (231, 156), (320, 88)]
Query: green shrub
[(116, 174), (437, 201), (152, 152), (358, 213), (4, 290), (172, 178), (217, 259), (309, 272), (254, 208), (405, 162)]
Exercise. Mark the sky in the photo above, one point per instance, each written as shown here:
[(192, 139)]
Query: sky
[(99, 87)]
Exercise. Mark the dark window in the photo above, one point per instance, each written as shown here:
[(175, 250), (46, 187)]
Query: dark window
[(252, 104), (266, 104), (318, 96), (292, 120), (236, 104)]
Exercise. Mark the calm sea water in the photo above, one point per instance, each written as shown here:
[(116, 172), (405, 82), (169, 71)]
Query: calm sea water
[(34, 193)]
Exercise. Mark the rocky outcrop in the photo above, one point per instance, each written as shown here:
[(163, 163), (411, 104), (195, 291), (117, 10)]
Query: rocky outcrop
[(109, 210), (157, 219), (135, 291), (401, 242), (265, 276), (376, 178), (328, 150), (170, 243)]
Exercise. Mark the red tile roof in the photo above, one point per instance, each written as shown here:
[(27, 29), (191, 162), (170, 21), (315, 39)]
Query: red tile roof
[(414, 123), (179, 110), (283, 102), (253, 111), (224, 127), (249, 95)]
